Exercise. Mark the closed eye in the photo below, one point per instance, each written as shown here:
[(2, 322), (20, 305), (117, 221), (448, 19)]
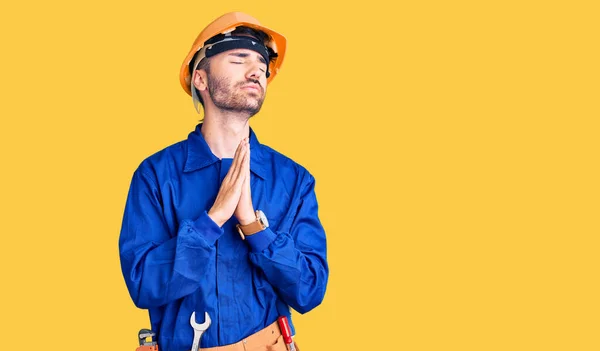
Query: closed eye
[(245, 55)]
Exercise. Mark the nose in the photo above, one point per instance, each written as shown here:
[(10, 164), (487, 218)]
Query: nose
[(255, 71)]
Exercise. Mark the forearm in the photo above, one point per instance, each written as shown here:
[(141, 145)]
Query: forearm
[(299, 275), (158, 273)]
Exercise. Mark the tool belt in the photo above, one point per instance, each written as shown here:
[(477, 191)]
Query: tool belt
[(269, 338)]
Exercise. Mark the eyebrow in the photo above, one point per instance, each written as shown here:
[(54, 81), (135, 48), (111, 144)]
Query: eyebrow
[(245, 54)]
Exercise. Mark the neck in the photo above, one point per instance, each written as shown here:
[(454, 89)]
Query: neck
[(223, 132)]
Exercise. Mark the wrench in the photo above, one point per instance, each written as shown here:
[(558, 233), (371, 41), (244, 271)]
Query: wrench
[(199, 329)]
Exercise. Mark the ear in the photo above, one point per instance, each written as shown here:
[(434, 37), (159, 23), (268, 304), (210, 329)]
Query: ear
[(200, 79)]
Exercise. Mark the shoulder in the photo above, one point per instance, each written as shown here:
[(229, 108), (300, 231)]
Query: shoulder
[(286, 169), (168, 159)]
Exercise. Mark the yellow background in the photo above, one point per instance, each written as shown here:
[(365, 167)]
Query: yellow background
[(454, 143)]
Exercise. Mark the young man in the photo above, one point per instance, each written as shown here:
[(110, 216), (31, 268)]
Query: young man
[(220, 223)]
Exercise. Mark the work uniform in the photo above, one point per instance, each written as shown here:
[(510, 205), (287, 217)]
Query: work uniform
[(176, 260)]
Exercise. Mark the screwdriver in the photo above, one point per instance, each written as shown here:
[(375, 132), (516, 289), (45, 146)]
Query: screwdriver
[(286, 332)]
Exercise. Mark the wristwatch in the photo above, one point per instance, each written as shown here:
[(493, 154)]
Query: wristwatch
[(261, 223)]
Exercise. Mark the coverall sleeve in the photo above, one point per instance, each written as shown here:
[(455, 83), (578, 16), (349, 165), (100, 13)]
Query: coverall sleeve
[(160, 266), (295, 261)]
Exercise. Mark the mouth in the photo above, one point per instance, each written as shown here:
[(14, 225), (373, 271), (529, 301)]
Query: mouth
[(252, 86)]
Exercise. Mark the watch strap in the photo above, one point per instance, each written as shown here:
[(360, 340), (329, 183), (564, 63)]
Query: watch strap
[(251, 228)]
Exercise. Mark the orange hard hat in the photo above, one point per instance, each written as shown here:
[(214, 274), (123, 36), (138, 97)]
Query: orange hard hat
[(224, 24)]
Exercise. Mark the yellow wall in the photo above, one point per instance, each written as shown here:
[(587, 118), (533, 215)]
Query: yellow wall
[(454, 143)]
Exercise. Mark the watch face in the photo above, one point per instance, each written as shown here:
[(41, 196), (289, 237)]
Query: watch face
[(263, 218)]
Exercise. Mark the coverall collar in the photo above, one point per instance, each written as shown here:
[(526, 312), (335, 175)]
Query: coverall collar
[(199, 154)]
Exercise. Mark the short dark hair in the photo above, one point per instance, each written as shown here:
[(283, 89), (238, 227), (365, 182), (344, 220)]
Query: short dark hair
[(204, 64)]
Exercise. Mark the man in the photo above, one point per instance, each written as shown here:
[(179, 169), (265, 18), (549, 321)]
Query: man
[(220, 223)]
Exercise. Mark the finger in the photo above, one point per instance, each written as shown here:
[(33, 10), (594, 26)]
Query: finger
[(248, 179), (247, 163), (241, 145), (239, 156), (236, 160), (245, 166), (237, 150), (238, 167), (240, 174), (248, 168), (249, 159)]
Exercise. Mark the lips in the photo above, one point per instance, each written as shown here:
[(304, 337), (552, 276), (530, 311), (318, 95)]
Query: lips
[(252, 86)]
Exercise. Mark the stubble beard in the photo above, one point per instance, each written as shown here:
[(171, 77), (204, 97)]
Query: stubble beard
[(233, 99)]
